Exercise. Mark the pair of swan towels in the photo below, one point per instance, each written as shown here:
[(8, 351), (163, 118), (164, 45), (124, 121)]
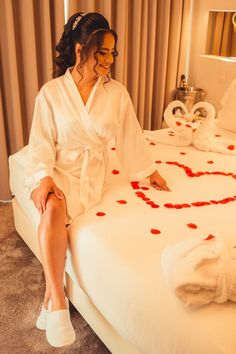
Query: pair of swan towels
[(189, 128), (199, 271)]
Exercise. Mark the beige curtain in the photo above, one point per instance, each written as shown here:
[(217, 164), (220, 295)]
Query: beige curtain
[(149, 46), (29, 30), (150, 54)]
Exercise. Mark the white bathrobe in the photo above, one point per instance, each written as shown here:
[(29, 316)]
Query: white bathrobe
[(68, 139)]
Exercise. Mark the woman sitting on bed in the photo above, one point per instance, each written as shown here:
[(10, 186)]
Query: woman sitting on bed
[(75, 117)]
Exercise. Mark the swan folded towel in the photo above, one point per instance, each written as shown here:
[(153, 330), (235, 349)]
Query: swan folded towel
[(187, 130), (201, 271)]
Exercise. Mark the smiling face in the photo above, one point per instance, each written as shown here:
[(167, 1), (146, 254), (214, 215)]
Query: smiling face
[(105, 55), (101, 59)]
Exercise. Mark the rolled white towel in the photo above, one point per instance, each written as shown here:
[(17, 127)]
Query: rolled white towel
[(197, 270), (231, 269)]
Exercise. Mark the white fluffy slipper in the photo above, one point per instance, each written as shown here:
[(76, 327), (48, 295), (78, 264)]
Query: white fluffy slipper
[(59, 329), (42, 319)]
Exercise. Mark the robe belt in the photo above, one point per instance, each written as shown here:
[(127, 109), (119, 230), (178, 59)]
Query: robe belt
[(90, 152)]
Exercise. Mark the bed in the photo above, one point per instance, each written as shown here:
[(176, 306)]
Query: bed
[(113, 271)]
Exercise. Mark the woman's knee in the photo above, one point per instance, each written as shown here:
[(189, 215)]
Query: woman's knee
[(55, 209)]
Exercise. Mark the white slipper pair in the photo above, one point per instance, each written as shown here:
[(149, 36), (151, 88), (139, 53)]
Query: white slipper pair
[(58, 326)]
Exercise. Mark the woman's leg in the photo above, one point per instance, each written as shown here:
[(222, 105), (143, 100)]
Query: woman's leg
[(53, 244)]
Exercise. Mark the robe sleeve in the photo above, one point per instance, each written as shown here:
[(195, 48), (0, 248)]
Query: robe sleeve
[(131, 145), (41, 148)]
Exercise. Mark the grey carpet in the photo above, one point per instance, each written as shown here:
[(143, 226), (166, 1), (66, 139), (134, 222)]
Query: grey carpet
[(21, 291)]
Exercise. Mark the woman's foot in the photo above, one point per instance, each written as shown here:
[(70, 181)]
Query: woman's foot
[(42, 318), (59, 329)]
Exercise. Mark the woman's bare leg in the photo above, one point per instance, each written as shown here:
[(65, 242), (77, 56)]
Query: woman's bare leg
[(47, 294), (53, 244)]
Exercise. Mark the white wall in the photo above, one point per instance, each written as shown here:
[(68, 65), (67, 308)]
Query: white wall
[(210, 74)]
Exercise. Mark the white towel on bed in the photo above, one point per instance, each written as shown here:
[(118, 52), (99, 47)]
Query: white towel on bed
[(201, 271), (187, 130)]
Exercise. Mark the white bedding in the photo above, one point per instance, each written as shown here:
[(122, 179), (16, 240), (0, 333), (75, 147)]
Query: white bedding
[(115, 258)]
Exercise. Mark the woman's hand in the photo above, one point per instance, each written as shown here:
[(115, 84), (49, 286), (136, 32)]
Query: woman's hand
[(158, 182), (40, 194)]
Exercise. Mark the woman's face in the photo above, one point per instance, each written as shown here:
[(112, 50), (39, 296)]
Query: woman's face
[(104, 58)]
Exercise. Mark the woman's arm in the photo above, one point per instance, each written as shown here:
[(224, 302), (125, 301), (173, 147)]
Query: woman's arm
[(41, 154), (132, 148)]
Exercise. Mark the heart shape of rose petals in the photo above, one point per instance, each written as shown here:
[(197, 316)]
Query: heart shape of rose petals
[(140, 194)]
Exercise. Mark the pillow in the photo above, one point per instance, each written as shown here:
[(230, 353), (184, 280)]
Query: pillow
[(227, 114)]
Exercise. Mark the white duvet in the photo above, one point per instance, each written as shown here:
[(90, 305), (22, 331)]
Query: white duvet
[(115, 250)]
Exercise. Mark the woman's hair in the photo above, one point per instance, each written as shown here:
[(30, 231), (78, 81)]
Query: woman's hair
[(88, 30)]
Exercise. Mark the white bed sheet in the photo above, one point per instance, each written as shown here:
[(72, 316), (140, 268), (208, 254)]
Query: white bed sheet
[(116, 259)]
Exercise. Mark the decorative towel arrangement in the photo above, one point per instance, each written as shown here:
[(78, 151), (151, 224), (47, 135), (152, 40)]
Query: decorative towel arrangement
[(201, 271), (191, 128)]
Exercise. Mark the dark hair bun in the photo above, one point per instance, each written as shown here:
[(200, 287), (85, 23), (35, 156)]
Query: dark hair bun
[(88, 30)]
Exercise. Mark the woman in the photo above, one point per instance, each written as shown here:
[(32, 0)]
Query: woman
[(75, 116)]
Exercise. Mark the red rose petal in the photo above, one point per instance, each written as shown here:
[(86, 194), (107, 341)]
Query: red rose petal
[(217, 135), (169, 205), (178, 123), (122, 201), (188, 126), (155, 206), (231, 147), (209, 237), (200, 203), (210, 161), (140, 194), (155, 231), (226, 200), (135, 184), (115, 172), (100, 213), (158, 161), (214, 202), (192, 226), (151, 143), (182, 153), (145, 188), (113, 148), (178, 206)]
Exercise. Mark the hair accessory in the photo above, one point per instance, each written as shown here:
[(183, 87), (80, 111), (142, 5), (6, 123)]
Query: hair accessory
[(76, 21)]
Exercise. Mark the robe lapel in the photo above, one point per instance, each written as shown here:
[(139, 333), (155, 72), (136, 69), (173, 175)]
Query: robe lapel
[(91, 96), (83, 110), (93, 153)]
